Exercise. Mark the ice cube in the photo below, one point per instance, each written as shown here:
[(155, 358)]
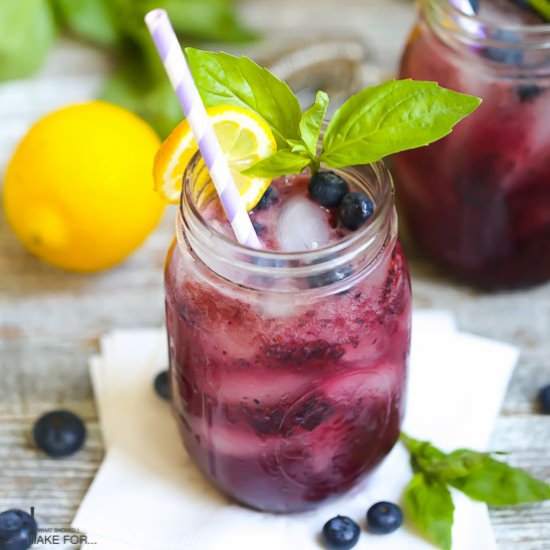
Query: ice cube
[(302, 225)]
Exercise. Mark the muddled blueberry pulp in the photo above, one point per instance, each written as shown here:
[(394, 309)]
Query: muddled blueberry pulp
[(285, 400), (478, 201)]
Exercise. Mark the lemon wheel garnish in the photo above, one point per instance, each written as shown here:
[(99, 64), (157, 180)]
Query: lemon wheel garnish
[(245, 139)]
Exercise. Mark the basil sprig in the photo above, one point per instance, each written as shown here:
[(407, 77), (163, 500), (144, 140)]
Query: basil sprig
[(377, 122), (428, 501)]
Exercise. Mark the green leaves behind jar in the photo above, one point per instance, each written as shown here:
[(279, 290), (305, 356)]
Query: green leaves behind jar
[(27, 32), (28, 29)]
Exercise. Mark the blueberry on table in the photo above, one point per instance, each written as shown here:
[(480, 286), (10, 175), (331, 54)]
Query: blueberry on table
[(355, 209), (327, 189), (384, 518), (17, 530), (268, 198), (544, 399), (162, 385), (59, 433), (340, 533)]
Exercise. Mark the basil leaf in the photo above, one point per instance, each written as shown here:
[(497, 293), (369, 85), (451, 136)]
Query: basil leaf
[(27, 31), (429, 505), (459, 464), (312, 121), (392, 117), (92, 20), (499, 484), (281, 163), (423, 454), (298, 146), (427, 458), (225, 79)]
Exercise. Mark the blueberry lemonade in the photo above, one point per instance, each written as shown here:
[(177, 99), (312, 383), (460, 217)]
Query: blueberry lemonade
[(479, 200), (288, 362)]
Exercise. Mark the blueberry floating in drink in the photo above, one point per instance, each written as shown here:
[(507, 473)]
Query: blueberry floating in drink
[(17, 530), (59, 433), (328, 189)]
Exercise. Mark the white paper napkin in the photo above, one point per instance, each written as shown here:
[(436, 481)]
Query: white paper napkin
[(148, 495)]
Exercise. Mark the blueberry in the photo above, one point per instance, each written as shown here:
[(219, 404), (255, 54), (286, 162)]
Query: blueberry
[(475, 5), (162, 385), (269, 197), (544, 399), (59, 433), (355, 209), (384, 517), (504, 53), (327, 189), (340, 533), (528, 92), (329, 277), (17, 530), (258, 227)]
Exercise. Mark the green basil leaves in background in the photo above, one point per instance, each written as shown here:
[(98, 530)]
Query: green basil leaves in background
[(28, 29), (428, 502)]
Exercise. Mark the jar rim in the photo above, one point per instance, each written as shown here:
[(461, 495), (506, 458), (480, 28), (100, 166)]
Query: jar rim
[(474, 36), (450, 9), (364, 244)]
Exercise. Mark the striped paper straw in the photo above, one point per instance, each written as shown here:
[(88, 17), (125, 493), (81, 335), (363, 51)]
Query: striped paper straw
[(182, 81)]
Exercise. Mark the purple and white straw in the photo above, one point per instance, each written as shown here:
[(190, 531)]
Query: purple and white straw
[(182, 81)]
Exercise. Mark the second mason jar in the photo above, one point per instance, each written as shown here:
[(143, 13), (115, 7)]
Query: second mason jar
[(478, 201), (288, 370)]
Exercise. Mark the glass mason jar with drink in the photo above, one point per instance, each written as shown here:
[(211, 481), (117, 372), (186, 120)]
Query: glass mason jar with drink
[(288, 368), (478, 201), (288, 298)]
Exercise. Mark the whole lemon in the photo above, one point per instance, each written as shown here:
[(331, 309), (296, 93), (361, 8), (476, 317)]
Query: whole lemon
[(78, 190)]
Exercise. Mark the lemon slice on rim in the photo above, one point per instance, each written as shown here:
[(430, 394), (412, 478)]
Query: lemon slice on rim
[(245, 139)]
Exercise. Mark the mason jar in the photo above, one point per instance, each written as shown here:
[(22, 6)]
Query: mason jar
[(478, 201), (287, 369)]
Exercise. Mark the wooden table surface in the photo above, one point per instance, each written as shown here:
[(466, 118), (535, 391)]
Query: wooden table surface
[(50, 321)]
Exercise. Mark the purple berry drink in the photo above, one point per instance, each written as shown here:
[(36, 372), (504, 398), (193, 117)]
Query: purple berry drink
[(478, 201), (288, 364)]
